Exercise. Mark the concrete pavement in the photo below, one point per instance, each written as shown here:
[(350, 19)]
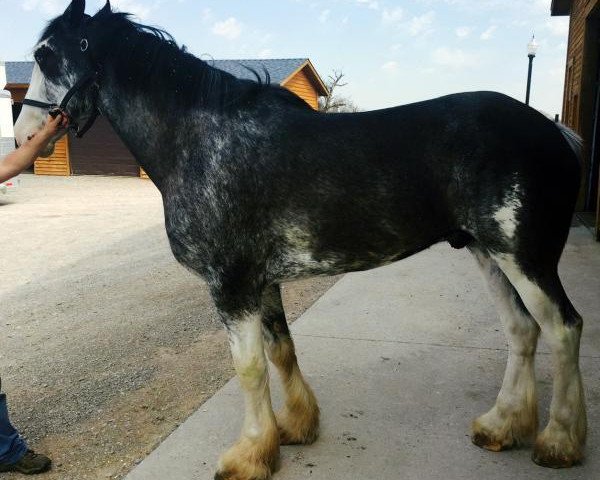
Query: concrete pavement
[(402, 358)]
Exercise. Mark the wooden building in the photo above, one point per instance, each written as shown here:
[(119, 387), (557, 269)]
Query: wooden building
[(101, 152), (581, 104)]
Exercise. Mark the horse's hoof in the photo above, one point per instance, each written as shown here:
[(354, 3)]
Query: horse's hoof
[(250, 460), (496, 432), (485, 441), (551, 456), (555, 460), (227, 475), (298, 430), (552, 461), (485, 437), (555, 447), (285, 438)]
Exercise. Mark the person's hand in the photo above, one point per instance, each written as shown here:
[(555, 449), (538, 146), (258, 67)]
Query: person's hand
[(53, 125)]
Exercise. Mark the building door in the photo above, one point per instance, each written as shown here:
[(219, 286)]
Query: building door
[(101, 152), (592, 203), (592, 185), (592, 194)]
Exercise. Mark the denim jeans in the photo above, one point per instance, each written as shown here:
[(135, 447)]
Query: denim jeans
[(12, 446)]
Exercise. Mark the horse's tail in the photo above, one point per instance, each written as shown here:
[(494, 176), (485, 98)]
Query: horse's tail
[(574, 141), (576, 144)]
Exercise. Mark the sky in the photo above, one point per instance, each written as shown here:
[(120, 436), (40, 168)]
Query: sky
[(391, 52)]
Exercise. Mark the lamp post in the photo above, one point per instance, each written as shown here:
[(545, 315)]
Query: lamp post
[(532, 47)]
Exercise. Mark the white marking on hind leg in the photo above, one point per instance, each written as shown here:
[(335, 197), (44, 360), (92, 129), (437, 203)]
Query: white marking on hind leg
[(561, 442), (513, 419)]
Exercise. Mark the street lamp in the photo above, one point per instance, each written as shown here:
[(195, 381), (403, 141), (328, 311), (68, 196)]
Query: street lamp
[(532, 47)]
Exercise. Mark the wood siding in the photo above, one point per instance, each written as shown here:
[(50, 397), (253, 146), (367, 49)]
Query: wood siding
[(581, 75), (303, 87), (58, 163), (573, 75)]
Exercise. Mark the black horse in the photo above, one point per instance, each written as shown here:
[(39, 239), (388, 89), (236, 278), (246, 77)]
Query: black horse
[(258, 189)]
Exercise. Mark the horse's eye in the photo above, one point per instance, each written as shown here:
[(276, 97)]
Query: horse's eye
[(47, 60), (41, 54)]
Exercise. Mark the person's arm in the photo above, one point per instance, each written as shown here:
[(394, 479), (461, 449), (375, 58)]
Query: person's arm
[(21, 158)]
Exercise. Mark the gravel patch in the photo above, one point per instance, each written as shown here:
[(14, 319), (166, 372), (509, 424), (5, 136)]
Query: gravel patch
[(107, 343)]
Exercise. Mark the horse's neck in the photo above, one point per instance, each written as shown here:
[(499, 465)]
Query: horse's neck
[(162, 140), (147, 133)]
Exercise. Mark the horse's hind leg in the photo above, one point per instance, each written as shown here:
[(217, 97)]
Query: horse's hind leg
[(256, 454), (298, 421), (513, 419), (561, 443)]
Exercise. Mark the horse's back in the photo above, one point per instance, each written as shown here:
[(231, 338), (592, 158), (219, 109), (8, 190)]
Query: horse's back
[(394, 181)]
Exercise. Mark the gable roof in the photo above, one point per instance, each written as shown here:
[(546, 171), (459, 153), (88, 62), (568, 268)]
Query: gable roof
[(280, 70)]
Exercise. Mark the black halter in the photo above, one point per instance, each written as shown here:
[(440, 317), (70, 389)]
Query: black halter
[(57, 109)]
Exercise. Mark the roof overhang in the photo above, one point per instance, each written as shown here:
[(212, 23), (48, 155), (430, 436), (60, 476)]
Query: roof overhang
[(310, 70), (560, 7)]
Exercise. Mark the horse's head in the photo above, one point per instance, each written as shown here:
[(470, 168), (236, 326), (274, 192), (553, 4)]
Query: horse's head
[(62, 59)]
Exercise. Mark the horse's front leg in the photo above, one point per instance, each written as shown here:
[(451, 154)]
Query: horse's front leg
[(298, 421), (256, 454)]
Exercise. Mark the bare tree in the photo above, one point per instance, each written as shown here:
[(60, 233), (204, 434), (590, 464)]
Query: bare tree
[(334, 103)]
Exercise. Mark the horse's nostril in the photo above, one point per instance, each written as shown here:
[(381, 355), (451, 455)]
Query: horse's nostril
[(29, 137)]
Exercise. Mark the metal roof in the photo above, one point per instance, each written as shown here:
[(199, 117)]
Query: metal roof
[(18, 72), (279, 68)]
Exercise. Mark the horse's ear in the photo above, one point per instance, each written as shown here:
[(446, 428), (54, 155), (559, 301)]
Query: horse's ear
[(75, 12), (105, 9)]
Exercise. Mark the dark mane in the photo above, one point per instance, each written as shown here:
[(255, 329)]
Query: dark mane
[(147, 59)]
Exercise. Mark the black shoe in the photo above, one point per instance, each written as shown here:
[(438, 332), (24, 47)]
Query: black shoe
[(29, 464)]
